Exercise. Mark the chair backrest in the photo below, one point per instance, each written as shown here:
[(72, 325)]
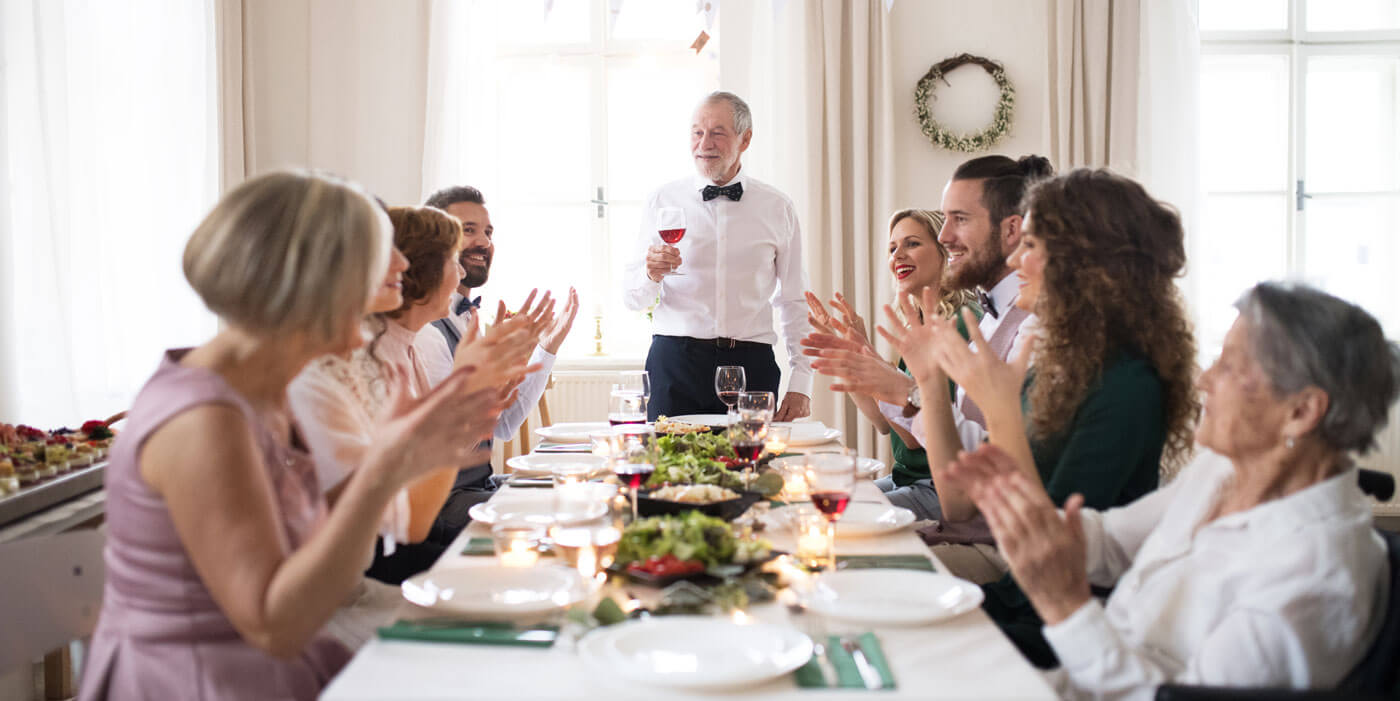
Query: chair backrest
[(1379, 671), (50, 593)]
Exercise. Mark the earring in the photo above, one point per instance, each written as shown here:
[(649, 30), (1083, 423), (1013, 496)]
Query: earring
[(1288, 443)]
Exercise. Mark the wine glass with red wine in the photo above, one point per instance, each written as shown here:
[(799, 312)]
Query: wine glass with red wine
[(729, 382), (670, 225), (831, 479), (633, 458), (747, 436)]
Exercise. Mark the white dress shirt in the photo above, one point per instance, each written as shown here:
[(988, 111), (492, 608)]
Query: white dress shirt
[(1287, 594), (741, 261), (431, 347), (1004, 295)]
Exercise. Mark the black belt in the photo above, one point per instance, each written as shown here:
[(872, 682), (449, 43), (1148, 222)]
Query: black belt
[(722, 343)]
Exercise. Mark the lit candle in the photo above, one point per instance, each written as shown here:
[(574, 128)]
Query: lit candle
[(587, 561), (519, 554), (811, 544)]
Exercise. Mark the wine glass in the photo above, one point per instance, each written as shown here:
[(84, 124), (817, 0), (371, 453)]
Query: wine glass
[(831, 479), (762, 402), (729, 382), (633, 458), (638, 381), (670, 225), (626, 406), (747, 436)]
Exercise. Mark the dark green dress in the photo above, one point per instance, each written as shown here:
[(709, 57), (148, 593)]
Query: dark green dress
[(911, 464), (1110, 453)]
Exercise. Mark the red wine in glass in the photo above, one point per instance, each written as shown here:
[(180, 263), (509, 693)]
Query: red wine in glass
[(672, 236), (832, 503), (748, 450), (634, 474), (622, 419), (729, 398)]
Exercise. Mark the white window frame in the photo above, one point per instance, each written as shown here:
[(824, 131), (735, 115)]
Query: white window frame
[(597, 52)]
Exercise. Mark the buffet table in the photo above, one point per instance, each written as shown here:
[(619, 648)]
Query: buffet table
[(962, 657)]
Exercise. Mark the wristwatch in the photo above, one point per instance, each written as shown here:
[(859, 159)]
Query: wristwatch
[(912, 403)]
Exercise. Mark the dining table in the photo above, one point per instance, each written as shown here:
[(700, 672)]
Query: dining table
[(962, 657)]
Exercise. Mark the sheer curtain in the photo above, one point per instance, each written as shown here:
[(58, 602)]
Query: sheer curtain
[(819, 78), (110, 148)]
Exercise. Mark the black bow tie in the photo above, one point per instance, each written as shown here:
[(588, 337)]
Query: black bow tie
[(733, 192), (986, 301), (464, 304)]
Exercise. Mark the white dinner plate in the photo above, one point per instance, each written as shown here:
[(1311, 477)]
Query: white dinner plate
[(541, 464), (866, 468), (892, 596), (812, 433), (702, 419), (571, 432), (497, 593), (860, 520), (536, 505), (695, 652)]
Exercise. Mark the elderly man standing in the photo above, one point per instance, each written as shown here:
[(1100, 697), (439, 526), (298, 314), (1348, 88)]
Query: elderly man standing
[(742, 259)]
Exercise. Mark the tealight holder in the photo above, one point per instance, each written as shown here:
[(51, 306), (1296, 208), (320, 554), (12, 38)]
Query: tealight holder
[(517, 540), (809, 532)]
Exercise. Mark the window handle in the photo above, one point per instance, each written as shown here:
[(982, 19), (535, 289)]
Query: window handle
[(1301, 194), (604, 203)]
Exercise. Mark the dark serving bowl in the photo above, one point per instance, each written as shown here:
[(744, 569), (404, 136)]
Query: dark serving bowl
[(728, 510)]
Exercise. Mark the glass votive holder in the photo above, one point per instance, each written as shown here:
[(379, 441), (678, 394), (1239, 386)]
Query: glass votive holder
[(517, 539), (601, 443), (588, 548), (565, 474), (777, 441), (809, 533)]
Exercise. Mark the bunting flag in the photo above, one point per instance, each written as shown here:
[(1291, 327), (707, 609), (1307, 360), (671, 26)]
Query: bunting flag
[(700, 42), (614, 9), (707, 8)]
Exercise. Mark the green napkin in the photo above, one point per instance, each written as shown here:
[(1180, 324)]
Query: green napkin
[(447, 631), (809, 676), (884, 562), (479, 546)]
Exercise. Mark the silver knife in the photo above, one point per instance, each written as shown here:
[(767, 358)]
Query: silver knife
[(868, 675)]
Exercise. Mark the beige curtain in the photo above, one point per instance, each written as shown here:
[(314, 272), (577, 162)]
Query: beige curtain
[(1093, 80), (819, 77), (228, 38)]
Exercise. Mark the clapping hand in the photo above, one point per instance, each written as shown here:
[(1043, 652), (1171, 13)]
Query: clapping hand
[(1047, 552), (914, 337), (994, 384), (858, 371), (850, 327), (443, 427), (553, 336)]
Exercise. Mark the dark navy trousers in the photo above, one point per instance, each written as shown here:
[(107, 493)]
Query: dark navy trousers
[(682, 373)]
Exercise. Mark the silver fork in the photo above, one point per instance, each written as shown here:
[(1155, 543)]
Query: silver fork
[(798, 609), (868, 674)]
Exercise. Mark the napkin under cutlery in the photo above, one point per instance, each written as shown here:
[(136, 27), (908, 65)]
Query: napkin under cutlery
[(809, 676), (884, 562), (474, 633)]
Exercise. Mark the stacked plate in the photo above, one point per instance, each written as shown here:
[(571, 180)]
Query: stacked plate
[(695, 652), (861, 519), (866, 468), (892, 597), (537, 506), (497, 593), (542, 464), (576, 432), (804, 433)]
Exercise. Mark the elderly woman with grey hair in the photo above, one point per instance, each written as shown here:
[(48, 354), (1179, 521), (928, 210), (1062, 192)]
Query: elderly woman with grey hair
[(1258, 565)]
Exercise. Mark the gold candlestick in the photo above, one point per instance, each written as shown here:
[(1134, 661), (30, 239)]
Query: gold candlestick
[(598, 336)]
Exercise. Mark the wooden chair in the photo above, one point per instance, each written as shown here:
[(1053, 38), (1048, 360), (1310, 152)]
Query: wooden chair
[(521, 446)]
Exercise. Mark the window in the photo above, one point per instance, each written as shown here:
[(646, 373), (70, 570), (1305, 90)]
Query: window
[(1300, 129), (585, 115)]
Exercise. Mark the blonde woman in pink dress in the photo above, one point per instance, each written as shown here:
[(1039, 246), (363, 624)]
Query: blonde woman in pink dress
[(223, 561)]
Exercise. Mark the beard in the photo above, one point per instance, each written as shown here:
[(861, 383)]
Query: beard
[(711, 169), (977, 269), (475, 274)]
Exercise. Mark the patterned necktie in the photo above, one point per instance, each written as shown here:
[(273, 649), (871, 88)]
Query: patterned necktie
[(733, 192), (464, 305)]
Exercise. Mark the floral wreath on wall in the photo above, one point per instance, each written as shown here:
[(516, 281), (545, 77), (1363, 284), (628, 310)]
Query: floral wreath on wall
[(938, 134)]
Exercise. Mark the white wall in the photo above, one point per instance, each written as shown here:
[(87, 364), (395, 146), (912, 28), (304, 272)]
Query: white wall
[(338, 85), (1013, 32)]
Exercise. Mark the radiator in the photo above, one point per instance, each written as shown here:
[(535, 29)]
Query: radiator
[(580, 395)]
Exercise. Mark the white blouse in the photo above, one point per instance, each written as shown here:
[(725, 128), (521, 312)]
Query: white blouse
[(1285, 594)]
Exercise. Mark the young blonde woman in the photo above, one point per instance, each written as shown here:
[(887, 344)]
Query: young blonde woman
[(916, 261)]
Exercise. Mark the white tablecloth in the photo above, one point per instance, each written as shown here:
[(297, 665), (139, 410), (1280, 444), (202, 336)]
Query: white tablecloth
[(961, 658)]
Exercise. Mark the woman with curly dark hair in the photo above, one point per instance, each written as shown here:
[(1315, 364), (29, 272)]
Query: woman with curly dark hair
[(1108, 407)]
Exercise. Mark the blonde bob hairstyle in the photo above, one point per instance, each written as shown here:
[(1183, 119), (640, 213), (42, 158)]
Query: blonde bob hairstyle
[(949, 300), (290, 252)]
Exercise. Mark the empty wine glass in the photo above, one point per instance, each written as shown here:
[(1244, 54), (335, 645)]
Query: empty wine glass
[(670, 226), (831, 479), (761, 402), (729, 382), (637, 381)]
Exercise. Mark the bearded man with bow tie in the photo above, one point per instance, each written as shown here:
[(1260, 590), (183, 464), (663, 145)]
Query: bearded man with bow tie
[(715, 291)]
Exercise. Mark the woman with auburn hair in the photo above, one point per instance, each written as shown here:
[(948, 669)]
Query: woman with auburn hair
[(223, 562), (916, 261), (1108, 406)]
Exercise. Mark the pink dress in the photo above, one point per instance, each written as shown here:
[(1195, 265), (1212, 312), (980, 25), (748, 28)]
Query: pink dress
[(161, 635)]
